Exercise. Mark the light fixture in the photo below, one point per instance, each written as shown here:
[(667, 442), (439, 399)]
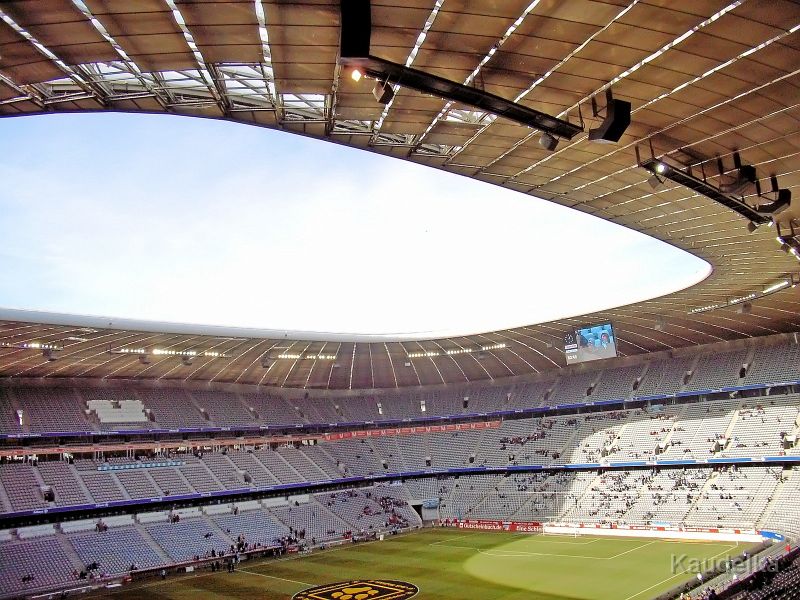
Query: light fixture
[(309, 356), (354, 52), (356, 75), (744, 302), (777, 286), (685, 177), (166, 352), (30, 346), (455, 351)]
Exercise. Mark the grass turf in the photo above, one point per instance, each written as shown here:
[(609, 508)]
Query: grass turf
[(450, 564)]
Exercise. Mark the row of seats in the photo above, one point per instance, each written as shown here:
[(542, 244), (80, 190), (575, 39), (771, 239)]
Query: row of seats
[(114, 546), (82, 409), (721, 429), (757, 496)]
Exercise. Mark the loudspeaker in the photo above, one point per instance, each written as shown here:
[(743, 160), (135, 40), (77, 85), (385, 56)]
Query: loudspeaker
[(745, 176), (618, 117), (383, 92), (50, 354), (548, 142), (356, 28)]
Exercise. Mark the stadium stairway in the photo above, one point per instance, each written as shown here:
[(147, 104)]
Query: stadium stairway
[(569, 506), (777, 494), (572, 442), (729, 431), (63, 543), (703, 490), (211, 475), (17, 406), (81, 484), (290, 466), (153, 544), (215, 526), (5, 502), (608, 448), (328, 466), (666, 441), (795, 432), (310, 466)]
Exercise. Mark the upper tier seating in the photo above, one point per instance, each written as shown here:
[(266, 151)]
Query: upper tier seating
[(23, 488), (39, 414), (728, 428), (9, 420), (119, 414), (664, 377), (774, 364), (121, 407), (173, 408), (223, 408), (717, 370)]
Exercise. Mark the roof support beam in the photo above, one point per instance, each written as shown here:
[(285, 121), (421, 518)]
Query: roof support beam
[(77, 78)]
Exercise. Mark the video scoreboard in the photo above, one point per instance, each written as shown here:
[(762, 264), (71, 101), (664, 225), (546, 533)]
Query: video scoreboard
[(595, 342)]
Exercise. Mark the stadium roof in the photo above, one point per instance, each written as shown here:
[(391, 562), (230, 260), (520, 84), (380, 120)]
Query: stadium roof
[(705, 79)]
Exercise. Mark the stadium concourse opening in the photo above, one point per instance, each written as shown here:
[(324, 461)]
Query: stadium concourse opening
[(334, 232)]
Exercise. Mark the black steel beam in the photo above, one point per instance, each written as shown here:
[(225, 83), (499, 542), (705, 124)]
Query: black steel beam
[(701, 186), (394, 73)]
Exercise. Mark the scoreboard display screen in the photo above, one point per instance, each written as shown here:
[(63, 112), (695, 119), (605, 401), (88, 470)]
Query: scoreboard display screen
[(590, 343)]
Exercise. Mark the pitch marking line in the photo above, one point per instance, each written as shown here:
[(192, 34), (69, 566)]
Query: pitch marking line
[(275, 577), (632, 549), (512, 553), (500, 553), (676, 575), (455, 537)]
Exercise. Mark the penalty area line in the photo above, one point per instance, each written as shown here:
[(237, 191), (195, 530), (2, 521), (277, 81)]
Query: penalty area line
[(522, 554), (274, 577), (632, 549)]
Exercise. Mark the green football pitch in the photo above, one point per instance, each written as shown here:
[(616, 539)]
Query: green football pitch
[(450, 564)]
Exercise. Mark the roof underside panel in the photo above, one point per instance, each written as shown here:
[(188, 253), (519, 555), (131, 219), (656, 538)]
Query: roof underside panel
[(705, 78)]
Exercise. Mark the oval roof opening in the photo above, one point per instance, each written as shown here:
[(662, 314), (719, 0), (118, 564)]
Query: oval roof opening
[(190, 220)]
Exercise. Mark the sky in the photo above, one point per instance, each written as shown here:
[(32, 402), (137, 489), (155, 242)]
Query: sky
[(189, 220)]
